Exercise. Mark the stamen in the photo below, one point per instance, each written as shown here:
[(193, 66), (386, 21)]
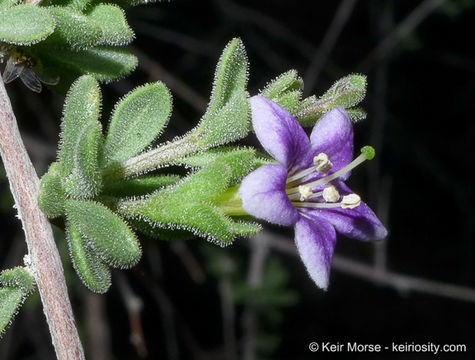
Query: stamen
[(301, 174), (305, 192), (322, 163), (317, 205), (331, 194), (350, 201), (367, 153)]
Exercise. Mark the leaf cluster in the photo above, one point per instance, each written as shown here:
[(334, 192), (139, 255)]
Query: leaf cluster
[(287, 90), (62, 39), (95, 183)]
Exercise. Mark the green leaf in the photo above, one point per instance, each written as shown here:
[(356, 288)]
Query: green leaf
[(105, 232), (81, 108), (113, 23), (228, 115), (5, 4), (25, 25), (78, 5), (287, 82), (289, 100), (153, 230), (245, 228), (202, 220), (231, 123), (51, 195), (93, 272), (73, 30), (204, 185), (241, 161), (346, 92), (187, 206), (18, 277), (105, 63), (139, 186), (85, 179), (126, 3), (11, 299), (231, 76), (356, 114), (137, 120)]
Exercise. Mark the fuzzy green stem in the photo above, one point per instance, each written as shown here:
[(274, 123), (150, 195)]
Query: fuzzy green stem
[(153, 159)]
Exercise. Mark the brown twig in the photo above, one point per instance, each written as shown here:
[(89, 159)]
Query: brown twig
[(259, 251), (45, 260), (403, 283), (98, 333), (328, 43), (134, 306), (405, 27)]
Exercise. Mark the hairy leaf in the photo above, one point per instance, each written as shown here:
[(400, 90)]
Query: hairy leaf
[(105, 232), (289, 100), (5, 4), (203, 220), (25, 24), (187, 205), (231, 76), (85, 179), (227, 117), (81, 108), (346, 92), (77, 5), (73, 30), (91, 269), (137, 120), (11, 299), (245, 228), (231, 123), (51, 194), (18, 277), (241, 161), (139, 186), (112, 21), (287, 82), (105, 63)]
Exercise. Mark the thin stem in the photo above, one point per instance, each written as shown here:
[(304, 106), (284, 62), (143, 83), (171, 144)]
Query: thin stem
[(153, 159), (45, 259)]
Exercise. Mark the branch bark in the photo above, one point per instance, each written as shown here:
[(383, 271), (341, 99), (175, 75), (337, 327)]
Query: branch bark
[(45, 260)]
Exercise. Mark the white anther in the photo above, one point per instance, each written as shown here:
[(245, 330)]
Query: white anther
[(331, 194), (323, 163), (350, 201), (305, 192)]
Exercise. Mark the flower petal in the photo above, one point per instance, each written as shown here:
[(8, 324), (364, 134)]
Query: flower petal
[(315, 242), (333, 135), (278, 132), (359, 223), (263, 195)]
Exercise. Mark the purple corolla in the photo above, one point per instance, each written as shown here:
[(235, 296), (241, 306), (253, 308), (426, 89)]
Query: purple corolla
[(306, 188)]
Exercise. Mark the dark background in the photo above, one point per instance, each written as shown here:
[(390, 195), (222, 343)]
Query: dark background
[(254, 299)]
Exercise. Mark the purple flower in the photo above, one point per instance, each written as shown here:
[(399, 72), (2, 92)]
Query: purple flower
[(306, 189)]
